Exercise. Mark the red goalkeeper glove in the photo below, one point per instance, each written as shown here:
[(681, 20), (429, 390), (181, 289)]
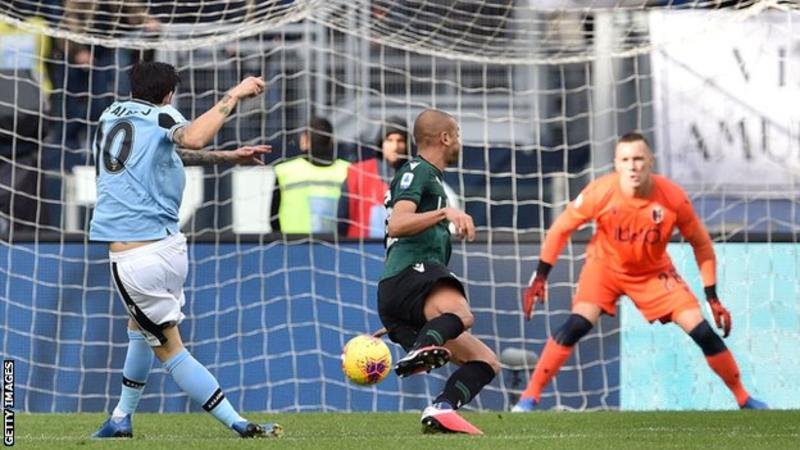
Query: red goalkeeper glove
[(721, 315), (537, 289)]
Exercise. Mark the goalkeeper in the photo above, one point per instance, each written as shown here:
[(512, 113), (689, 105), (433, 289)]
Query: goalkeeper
[(420, 302), (636, 213)]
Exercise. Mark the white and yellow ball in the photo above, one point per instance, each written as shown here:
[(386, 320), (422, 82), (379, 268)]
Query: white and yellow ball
[(366, 360)]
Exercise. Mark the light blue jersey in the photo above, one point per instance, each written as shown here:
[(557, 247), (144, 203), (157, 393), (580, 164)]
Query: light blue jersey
[(140, 176)]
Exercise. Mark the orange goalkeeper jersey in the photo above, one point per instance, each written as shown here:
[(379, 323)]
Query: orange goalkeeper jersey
[(633, 233)]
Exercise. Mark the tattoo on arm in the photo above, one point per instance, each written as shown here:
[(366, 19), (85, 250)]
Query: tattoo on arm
[(225, 109), (201, 157), (177, 137)]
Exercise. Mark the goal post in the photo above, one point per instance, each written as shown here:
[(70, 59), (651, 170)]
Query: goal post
[(541, 89)]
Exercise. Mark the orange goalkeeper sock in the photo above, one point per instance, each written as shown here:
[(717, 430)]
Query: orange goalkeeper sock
[(725, 366), (553, 357)]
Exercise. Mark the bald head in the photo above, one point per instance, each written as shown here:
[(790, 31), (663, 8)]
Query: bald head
[(429, 126), (438, 137)]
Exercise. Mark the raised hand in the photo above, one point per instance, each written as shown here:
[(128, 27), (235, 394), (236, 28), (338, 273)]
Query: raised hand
[(249, 155), (249, 87)]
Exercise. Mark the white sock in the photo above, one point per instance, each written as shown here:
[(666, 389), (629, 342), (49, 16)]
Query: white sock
[(118, 414)]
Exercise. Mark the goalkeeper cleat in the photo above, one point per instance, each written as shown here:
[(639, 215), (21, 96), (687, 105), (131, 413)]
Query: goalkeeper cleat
[(255, 430), (441, 418), (115, 428), (753, 403), (525, 404), (421, 360)]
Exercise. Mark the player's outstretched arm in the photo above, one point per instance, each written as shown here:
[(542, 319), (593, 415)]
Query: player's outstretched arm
[(249, 155), (202, 130), (695, 233), (692, 230), (706, 260), (557, 237)]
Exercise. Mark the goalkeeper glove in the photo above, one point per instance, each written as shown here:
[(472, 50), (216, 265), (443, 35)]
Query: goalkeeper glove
[(721, 315), (536, 291)]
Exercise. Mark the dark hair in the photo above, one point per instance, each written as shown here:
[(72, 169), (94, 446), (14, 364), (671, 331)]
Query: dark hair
[(392, 125), (320, 133), (633, 136), (152, 81)]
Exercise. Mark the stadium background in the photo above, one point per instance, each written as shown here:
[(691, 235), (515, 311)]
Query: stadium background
[(268, 313)]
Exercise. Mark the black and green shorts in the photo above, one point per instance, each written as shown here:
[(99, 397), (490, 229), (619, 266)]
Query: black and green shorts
[(401, 299)]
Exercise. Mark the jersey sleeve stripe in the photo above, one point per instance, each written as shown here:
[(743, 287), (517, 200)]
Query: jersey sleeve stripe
[(176, 127)]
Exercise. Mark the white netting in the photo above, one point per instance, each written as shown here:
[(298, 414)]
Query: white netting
[(541, 89), (508, 32)]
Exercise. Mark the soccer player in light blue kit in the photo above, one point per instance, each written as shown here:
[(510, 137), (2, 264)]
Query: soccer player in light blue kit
[(141, 147)]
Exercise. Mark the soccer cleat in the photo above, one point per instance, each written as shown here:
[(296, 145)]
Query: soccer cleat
[(255, 430), (422, 359), (753, 403), (112, 428), (441, 418), (525, 404)]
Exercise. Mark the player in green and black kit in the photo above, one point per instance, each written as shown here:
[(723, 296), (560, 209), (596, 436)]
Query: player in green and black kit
[(420, 302)]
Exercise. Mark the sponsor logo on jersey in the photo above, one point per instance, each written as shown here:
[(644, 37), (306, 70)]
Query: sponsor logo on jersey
[(419, 267), (658, 214), (405, 182), (646, 235)]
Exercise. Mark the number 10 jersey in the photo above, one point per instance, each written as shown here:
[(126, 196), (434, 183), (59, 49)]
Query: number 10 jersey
[(140, 176)]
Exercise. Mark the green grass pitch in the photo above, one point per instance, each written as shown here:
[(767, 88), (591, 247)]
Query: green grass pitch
[(328, 431)]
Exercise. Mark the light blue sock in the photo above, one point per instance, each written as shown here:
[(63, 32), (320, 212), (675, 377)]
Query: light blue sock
[(138, 362), (201, 386)]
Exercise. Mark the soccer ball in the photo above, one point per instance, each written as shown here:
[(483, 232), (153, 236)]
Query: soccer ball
[(366, 360)]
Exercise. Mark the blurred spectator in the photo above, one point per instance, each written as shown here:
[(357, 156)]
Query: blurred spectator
[(361, 211), (90, 76), (308, 187), (26, 52), (24, 91), (72, 67), (135, 23)]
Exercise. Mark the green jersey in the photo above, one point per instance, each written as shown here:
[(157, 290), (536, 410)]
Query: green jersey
[(420, 182)]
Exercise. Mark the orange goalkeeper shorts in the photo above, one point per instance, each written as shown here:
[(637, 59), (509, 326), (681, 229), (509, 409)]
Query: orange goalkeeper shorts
[(658, 295)]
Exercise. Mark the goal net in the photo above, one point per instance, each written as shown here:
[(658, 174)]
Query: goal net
[(541, 89)]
